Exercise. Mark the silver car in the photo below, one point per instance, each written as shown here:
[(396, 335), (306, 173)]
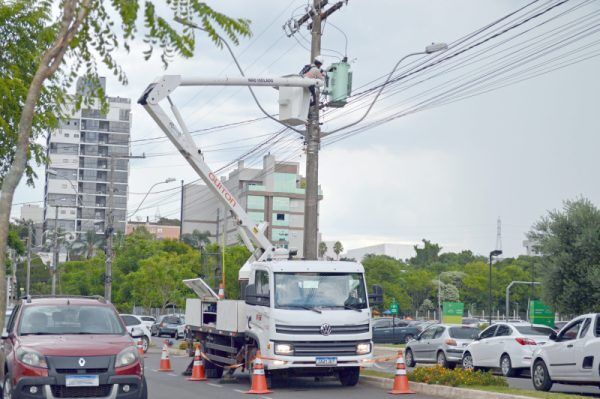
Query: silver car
[(440, 343)]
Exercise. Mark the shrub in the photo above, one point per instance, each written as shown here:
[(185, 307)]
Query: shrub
[(183, 345), (442, 376)]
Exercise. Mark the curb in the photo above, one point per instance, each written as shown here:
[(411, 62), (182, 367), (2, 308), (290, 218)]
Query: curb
[(439, 390), (177, 352)]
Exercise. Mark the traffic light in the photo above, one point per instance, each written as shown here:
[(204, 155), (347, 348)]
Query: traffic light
[(339, 83)]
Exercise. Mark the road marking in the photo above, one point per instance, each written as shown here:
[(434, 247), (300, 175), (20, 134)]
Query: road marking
[(239, 390), (214, 385), (266, 397), (173, 375)]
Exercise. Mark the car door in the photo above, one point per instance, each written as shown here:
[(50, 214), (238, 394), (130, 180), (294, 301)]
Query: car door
[(435, 343), (584, 358), (498, 344), (382, 332), (479, 349), (422, 346), (560, 354)]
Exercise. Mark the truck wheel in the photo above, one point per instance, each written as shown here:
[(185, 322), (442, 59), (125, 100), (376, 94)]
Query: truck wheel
[(212, 370), (349, 376)]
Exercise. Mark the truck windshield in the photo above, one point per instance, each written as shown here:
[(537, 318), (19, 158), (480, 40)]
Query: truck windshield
[(319, 290), (69, 319)]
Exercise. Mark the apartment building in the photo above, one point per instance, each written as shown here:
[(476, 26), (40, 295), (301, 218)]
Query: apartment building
[(273, 193), (88, 155)]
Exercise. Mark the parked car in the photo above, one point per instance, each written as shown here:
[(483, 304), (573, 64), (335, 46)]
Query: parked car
[(470, 321), (132, 321), (508, 347), (441, 343), (387, 330), (421, 325), (170, 325), (69, 347), (571, 356), (148, 321)]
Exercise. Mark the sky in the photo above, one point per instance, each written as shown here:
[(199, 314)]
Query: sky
[(445, 173)]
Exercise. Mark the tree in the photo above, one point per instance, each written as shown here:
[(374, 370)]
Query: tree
[(86, 246), (427, 255), (338, 248), (196, 239), (569, 241), (36, 38), (322, 249)]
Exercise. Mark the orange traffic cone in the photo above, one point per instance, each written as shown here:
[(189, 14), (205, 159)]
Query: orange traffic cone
[(198, 369), (259, 381), (165, 362), (140, 347), (400, 380), (221, 291)]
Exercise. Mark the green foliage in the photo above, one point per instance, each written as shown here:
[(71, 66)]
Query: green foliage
[(338, 248), (183, 345), (569, 241), (82, 277), (196, 239), (426, 255), (387, 272), (438, 375), (322, 249)]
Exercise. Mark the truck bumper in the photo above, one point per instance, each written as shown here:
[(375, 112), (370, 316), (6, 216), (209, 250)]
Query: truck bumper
[(309, 362)]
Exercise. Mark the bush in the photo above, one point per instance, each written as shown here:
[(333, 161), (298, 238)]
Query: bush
[(183, 345), (442, 376)]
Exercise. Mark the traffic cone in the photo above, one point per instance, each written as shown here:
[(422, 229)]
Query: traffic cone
[(198, 369), (221, 291), (259, 381), (140, 347), (400, 380), (165, 362)]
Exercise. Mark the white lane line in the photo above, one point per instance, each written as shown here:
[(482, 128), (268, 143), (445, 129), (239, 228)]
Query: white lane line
[(173, 375), (239, 390), (266, 397), (214, 385)]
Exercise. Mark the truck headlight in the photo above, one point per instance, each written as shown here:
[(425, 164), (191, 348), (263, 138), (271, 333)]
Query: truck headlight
[(126, 357), (284, 349), (362, 348), (31, 358)]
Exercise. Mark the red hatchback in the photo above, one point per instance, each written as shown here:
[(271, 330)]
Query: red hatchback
[(69, 347)]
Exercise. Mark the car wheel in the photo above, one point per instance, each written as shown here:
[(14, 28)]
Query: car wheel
[(409, 358), (467, 362), (506, 366), (407, 338), (349, 376), (441, 359), (145, 343), (144, 391), (7, 387), (540, 377)]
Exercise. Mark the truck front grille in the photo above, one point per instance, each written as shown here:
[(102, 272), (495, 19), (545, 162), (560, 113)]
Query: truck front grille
[(325, 348), (316, 330)]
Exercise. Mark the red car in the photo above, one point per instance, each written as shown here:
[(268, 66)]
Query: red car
[(69, 347)]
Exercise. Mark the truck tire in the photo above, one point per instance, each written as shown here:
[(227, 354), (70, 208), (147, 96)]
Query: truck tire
[(349, 376), (212, 370)]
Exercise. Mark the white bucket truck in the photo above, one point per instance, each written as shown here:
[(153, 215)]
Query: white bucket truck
[(305, 317)]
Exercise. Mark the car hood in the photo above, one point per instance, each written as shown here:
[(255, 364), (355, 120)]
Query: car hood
[(76, 345)]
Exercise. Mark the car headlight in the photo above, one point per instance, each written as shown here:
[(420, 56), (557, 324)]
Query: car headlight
[(127, 357), (284, 349), (362, 348), (32, 358)]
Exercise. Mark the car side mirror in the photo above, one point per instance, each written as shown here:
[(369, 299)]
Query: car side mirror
[(136, 332), (376, 296), (553, 336)]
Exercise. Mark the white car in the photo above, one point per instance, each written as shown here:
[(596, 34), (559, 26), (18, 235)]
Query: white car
[(147, 321), (570, 357), (132, 321), (507, 346)]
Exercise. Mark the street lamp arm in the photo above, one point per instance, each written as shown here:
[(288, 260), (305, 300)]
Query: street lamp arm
[(508, 292), (169, 180)]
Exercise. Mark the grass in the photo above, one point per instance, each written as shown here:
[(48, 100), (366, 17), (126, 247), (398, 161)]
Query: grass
[(395, 346), (512, 391)]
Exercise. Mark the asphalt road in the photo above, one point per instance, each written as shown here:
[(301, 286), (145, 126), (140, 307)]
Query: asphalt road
[(174, 385)]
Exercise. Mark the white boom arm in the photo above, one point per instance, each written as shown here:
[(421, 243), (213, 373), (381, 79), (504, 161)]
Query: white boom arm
[(250, 232)]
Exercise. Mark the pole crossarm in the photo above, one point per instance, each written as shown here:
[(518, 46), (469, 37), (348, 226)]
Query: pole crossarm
[(508, 291)]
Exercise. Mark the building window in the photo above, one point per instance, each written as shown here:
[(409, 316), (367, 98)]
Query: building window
[(62, 211), (76, 135), (280, 216), (63, 186)]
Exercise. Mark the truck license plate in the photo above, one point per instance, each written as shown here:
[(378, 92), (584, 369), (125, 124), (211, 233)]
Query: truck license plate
[(82, 380), (326, 361)]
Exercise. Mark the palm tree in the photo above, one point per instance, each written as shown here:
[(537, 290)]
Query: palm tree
[(338, 248), (322, 249), (87, 245), (196, 239)]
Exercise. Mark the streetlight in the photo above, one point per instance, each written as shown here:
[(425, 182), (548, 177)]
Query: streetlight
[(432, 48), (496, 252), (168, 180)]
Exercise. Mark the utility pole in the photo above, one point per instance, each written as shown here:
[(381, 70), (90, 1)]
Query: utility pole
[(29, 238), (109, 232), (55, 261)]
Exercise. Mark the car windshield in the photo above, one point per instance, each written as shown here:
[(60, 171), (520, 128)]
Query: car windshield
[(172, 320), (69, 319), (463, 332), (534, 330), (320, 290)]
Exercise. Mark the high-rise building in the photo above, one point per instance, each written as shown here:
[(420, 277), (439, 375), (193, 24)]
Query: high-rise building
[(79, 176), (274, 194)]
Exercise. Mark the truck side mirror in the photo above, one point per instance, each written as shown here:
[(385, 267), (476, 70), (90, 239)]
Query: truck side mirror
[(376, 297)]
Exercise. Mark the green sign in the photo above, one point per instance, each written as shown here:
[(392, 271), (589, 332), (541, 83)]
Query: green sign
[(394, 307), (452, 312), (540, 313)]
